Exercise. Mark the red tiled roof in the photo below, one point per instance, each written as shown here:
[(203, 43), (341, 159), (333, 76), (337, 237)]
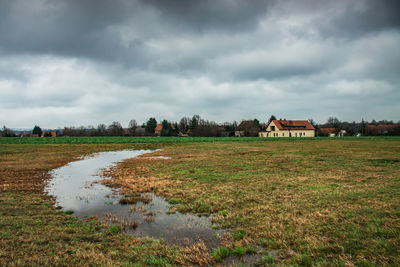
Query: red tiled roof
[(291, 125), (159, 127)]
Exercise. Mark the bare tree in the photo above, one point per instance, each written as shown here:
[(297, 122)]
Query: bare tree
[(334, 122), (115, 129), (6, 132), (132, 127), (184, 123), (102, 129)]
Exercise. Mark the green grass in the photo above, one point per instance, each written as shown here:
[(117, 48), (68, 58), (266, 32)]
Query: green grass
[(238, 234), (238, 251), (267, 260), (320, 202), (114, 229), (34, 235), (33, 232), (151, 139), (308, 200), (68, 212), (220, 253)]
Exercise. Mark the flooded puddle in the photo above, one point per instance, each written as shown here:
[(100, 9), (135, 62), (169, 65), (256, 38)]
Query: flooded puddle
[(75, 187)]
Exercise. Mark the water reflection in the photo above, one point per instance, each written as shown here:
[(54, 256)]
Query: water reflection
[(75, 188)]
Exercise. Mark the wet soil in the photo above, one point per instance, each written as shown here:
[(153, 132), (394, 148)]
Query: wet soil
[(76, 188)]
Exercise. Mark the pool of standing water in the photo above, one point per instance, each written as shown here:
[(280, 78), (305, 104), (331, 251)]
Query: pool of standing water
[(76, 187)]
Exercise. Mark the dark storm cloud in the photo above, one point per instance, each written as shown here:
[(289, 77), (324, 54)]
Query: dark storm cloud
[(119, 31), (369, 17), (346, 18), (92, 28), (69, 28), (205, 15), (92, 61)]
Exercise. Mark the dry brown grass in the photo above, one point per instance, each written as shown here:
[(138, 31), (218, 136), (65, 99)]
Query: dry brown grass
[(25, 167), (334, 200), (33, 232), (326, 202)]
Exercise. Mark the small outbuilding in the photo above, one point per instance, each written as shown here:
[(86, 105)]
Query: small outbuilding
[(247, 128)]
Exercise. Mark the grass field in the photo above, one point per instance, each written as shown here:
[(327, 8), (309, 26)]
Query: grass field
[(149, 139), (326, 202)]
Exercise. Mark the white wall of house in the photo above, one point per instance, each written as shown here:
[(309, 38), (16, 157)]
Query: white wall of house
[(262, 134), (271, 127), (273, 131), (302, 133)]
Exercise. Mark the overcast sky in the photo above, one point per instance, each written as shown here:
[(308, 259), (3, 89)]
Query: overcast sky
[(85, 62)]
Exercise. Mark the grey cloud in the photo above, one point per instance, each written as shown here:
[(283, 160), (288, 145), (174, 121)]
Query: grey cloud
[(67, 28), (206, 15), (372, 16), (348, 19), (96, 29), (86, 62)]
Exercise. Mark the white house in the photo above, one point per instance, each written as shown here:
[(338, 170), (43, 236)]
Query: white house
[(289, 128)]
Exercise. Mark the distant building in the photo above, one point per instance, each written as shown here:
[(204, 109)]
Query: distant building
[(381, 129), (288, 128), (158, 129), (140, 131), (332, 132), (247, 128), (327, 131), (48, 134)]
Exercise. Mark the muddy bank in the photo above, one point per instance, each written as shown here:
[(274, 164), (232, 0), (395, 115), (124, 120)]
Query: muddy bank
[(125, 204), (77, 189)]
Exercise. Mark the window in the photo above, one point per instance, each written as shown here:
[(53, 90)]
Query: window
[(296, 134), (283, 134), (272, 128)]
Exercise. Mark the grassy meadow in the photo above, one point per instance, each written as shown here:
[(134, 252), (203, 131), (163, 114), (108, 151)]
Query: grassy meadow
[(321, 202), (163, 140)]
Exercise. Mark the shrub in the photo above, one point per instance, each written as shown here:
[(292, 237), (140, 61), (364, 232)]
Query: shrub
[(250, 249), (114, 229), (238, 234), (238, 251), (68, 212), (267, 261), (220, 253)]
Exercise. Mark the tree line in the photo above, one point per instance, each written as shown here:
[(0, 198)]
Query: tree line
[(198, 127), (194, 126), (365, 128)]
